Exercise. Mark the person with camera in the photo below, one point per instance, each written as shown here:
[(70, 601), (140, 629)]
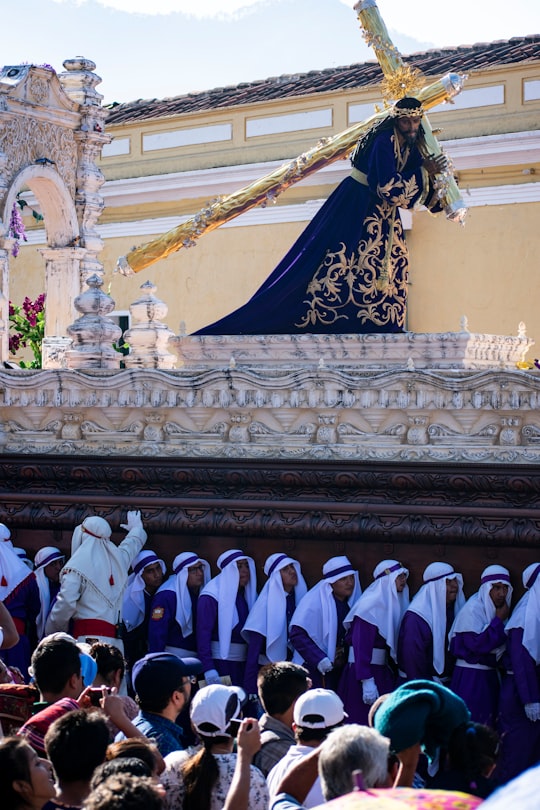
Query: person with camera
[(57, 669)]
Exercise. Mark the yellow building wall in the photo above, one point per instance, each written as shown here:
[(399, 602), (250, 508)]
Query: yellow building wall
[(486, 270)]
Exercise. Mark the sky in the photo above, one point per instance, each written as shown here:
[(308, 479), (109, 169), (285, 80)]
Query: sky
[(147, 49)]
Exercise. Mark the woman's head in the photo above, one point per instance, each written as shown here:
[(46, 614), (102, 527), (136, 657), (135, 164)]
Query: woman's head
[(26, 780), (141, 748), (110, 664)]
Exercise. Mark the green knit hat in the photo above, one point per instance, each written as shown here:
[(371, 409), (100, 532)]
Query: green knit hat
[(420, 711)]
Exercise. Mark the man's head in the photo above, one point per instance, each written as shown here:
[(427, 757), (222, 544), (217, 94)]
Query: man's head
[(152, 576), (452, 588), (130, 765), (495, 585), (407, 114), (401, 582), (343, 587), (76, 744), (150, 569), (341, 576), (51, 560), (236, 566), (191, 570), (316, 713), (498, 593), (391, 575), (56, 667), (443, 579), (348, 749), (195, 577), (279, 686), (243, 571), (162, 682), (289, 577)]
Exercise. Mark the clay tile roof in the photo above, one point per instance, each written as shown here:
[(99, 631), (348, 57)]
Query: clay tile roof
[(462, 59)]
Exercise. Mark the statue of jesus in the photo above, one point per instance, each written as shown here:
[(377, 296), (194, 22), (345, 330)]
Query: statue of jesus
[(347, 272)]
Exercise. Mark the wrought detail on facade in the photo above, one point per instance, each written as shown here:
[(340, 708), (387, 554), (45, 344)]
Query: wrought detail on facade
[(320, 501), (23, 140)]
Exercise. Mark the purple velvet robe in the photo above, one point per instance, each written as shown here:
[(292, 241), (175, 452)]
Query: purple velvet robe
[(479, 688), (415, 648), (520, 738), (164, 630), (23, 603), (207, 631), (257, 647), (312, 653), (333, 279), (364, 638)]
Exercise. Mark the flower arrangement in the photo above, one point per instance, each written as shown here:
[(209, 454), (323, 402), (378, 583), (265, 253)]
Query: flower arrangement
[(27, 328)]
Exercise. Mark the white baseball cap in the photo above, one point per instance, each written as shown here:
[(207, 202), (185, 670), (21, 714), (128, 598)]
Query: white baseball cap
[(213, 708), (319, 708)]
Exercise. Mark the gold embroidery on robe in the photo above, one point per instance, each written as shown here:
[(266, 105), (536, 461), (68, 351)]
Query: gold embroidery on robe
[(372, 278), (346, 280)]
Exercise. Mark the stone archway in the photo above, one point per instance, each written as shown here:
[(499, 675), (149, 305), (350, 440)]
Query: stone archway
[(51, 132), (62, 257)]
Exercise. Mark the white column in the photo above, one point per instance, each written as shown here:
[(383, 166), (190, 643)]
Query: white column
[(62, 286)]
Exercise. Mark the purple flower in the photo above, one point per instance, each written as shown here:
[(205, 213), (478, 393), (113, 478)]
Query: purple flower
[(27, 323), (16, 229)]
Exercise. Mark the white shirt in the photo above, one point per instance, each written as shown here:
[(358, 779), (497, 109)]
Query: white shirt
[(258, 791), (282, 768)]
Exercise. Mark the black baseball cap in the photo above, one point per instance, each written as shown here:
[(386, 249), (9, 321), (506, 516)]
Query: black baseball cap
[(162, 672)]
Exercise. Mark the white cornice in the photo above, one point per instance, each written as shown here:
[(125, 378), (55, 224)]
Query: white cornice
[(467, 153)]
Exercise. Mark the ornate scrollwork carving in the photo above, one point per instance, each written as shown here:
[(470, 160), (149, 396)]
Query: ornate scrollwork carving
[(24, 140)]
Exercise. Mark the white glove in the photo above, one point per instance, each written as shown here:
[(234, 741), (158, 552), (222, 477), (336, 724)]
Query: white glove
[(325, 666), (532, 710), (212, 676), (370, 693), (133, 521)]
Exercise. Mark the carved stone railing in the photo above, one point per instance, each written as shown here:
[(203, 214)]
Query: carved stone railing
[(282, 413)]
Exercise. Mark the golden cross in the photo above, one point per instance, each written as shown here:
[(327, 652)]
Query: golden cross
[(326, 151), (401, 80)]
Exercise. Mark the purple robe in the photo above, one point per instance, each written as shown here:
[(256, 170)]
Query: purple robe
[(24, 604), (164, 630), (207, 631), (364, 638), (415, 648), (257, 647), (312, 653), (333, 279), (479, 688), (520, 738)]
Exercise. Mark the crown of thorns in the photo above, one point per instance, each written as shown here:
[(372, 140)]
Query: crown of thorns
[(407, 112)]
